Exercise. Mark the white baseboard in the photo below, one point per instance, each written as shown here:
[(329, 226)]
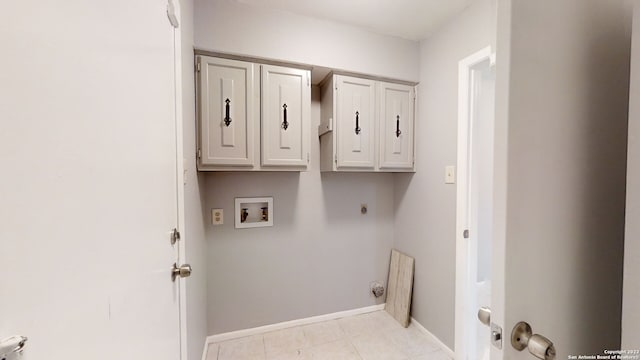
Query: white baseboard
[(287, 324), (434, 338), (292, 323), (205, 350)]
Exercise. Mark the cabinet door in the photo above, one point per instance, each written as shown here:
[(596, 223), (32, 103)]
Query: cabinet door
[(396, 126), (286, 116), (226, 112), (355, 122)]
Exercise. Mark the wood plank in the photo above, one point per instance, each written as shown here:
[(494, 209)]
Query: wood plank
[(400, 287), (392, 282)]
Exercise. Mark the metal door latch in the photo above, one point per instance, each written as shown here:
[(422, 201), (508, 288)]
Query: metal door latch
[(496, 336), (484, 315)]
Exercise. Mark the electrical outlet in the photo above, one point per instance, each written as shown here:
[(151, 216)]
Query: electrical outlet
[(217, 216)]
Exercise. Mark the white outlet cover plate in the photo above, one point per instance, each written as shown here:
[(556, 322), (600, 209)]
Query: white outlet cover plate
[(450, 174), (217, 216)]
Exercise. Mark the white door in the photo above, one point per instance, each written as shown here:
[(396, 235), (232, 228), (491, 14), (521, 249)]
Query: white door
[(475, 203), (355, 122), (227, 116), (88, 187), (396, 103), (286, 116), (561, 128)]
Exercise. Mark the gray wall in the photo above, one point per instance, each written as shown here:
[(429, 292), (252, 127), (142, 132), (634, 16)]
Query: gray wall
[(194, 232), (425, 208), (631, 287), (321, 254), (566, 73), (234, 27), (318, 258)]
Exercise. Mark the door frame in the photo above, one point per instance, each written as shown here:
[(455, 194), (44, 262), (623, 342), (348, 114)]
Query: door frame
[(465, 101), (180, 161)]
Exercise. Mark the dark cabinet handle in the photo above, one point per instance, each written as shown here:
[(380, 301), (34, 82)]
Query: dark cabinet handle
[(285, 123), (358, 123), (227, 119), (398, 132)]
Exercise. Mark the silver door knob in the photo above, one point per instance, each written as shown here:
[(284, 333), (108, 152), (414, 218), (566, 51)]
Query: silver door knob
[(539, 346), (182, 271), (12, 345)]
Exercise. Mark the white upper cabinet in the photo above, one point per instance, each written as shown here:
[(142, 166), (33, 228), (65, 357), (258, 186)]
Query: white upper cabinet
[(355, 122), (286, 113), (396, 126), (249, 122), (227, 112), (366, 125)]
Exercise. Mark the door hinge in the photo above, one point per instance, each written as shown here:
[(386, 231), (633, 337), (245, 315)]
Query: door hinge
[(308, 158), (199, 153), (175, 236), (335, 158), (465, 234), (171, 14), (198, 66)]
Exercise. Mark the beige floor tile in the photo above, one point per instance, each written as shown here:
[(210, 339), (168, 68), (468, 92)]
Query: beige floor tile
[(438, 355), (296, 354), (373, 336), (285, 340), (248, 348), (337, 350), (378, 346), (384, 321), (212, 351), (357, 325), (322, 333), (411, 340)]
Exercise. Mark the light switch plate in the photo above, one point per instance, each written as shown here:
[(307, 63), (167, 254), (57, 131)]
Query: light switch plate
[(450, 174), (217, 216)]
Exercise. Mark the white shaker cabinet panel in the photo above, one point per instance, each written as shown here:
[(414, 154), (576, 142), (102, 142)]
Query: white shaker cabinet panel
[(396, 126), (227, 112), (355, 122), (286, 116), (366, 125)]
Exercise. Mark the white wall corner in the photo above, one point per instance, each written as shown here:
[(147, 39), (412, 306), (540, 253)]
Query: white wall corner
[(433, 338)]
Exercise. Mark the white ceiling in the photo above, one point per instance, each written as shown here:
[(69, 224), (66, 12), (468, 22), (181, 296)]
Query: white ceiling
[(409, 19)]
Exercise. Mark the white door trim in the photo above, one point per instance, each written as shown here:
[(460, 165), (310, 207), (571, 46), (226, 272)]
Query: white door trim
[(177, 69), (465, 98)]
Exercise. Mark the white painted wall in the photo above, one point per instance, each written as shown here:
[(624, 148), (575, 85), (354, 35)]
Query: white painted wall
[(194, 232), (231, 26), (318, 258), (425, 208), (561, 118), (631, 286)]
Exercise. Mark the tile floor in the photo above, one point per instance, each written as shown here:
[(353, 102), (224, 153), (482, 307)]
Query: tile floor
[(373, 336)]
